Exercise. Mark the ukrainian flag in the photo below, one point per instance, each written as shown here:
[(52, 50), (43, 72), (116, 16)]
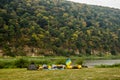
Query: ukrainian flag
[(68, 62)]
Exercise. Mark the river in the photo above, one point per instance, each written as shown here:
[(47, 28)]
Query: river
[(92, 63)]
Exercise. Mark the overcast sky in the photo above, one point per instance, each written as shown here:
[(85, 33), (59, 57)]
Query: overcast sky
[(108, 3)]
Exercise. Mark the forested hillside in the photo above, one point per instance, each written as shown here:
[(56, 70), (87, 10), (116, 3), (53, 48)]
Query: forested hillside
[(57, 27)]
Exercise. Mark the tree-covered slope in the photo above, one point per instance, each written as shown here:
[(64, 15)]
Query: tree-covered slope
[(58, 27)]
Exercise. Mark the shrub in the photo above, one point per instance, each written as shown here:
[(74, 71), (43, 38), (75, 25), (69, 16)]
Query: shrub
[(2, 64), (7, 64), (59, 61), (21, 63), (41, 62), (78, 61)]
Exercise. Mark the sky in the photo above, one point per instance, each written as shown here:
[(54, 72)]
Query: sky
[(107, 3)]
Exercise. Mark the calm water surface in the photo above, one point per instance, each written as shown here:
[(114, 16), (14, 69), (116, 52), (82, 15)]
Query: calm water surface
[(92, 63)]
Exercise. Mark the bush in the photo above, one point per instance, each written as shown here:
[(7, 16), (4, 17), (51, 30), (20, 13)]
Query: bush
[(24, 62), (78, 61), (2, 64), (7, 64), (21, 63), (113, 52), (41, 62), (59, 61)]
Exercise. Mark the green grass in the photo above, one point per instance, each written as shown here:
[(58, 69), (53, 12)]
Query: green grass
[(23, 62), (67, 74), (108, 66)]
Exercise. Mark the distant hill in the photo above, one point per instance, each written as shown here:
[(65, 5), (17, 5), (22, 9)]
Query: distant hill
[(58, 27)]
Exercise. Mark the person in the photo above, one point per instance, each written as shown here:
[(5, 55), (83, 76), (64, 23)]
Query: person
[(32, 66)]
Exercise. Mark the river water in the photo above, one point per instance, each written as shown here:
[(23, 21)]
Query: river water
[(92, 63)]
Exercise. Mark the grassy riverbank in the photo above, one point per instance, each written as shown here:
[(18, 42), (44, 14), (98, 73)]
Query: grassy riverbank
[(23, 62), (108, 66), (67, 74)]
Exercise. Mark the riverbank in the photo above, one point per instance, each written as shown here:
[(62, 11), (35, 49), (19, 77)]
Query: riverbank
[(23, 62), (67, 74)]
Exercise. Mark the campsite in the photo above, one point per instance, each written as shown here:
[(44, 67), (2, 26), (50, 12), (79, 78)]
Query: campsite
[(92, 73)]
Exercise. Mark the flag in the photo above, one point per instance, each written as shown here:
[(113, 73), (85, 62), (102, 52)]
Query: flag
[(68, 62)]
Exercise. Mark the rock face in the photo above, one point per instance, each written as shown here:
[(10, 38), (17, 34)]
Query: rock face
[(1, 52)]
